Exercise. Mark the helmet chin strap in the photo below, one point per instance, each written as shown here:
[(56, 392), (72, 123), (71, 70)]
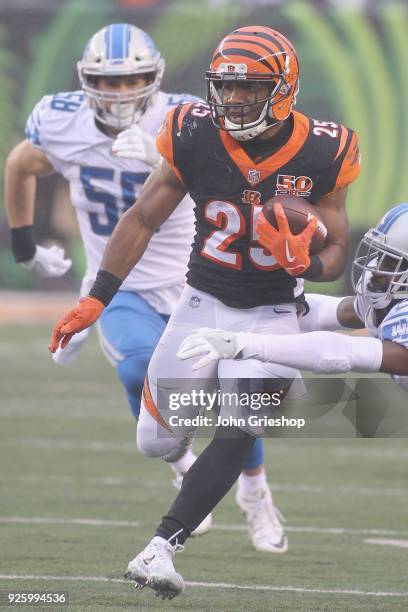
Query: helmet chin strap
[(251, 130), (247, 133)]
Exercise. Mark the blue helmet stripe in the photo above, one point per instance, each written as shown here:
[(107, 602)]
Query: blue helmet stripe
[(391, 217), (117, 38)]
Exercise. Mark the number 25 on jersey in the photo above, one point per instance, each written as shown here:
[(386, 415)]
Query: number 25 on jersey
[(231, 225)]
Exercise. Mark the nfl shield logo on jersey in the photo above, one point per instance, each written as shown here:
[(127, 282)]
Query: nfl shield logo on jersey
[(254, 176), (194, 301)]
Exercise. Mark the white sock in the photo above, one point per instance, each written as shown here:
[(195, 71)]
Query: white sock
[(185, 463), (249, 484)]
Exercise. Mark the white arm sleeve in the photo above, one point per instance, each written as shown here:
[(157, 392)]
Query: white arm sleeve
[(322, 313), (321, 352)]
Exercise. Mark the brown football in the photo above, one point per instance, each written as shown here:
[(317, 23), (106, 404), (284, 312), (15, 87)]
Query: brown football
[(298, 212)]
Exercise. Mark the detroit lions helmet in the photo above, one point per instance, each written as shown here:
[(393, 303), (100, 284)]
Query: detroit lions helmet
[(120, 49), (380, 266)]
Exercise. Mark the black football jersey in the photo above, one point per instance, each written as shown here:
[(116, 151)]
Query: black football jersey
[(229, 189)]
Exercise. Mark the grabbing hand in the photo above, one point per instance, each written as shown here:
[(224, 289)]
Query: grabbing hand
[(213, 344), (134, 143), (48, 262), (290, 251), (86, 312)]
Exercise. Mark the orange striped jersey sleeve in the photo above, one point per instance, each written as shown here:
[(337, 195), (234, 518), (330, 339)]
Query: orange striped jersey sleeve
[(165, 140), (350, 159)]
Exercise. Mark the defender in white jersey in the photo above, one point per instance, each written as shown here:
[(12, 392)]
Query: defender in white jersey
[(380, 280), (102, 140), (76, 134)]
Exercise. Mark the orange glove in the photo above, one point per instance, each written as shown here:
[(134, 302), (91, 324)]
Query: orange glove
[(290, 251), (83, 315)]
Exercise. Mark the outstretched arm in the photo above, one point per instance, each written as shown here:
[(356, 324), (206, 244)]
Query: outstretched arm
[(327, 313), (321, 352)]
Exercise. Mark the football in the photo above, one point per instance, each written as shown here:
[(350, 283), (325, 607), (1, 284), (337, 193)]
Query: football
[(298, 212)]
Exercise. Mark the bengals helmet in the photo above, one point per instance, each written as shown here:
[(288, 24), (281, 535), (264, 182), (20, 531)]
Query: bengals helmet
[(258, 54), (120, 49)]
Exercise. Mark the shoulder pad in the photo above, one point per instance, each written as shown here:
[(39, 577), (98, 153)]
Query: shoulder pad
[(51, 113), (339, 145)]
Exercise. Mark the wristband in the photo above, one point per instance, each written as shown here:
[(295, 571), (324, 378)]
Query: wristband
[(23, 243), (105, 286), (315, 270)]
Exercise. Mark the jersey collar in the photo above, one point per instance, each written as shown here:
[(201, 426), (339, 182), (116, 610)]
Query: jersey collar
[(269, 165)]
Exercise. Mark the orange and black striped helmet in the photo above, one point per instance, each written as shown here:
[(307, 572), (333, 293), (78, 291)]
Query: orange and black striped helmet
[(253, 53)]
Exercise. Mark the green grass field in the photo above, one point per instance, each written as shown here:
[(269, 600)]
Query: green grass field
[(78, 501)]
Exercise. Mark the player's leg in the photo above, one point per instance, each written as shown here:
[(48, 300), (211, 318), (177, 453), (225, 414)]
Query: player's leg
[(253, 495), (129, 330), (207, 481), (170, 377), (205, 484)]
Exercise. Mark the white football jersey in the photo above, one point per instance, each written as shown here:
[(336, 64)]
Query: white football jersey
[(102, 187), (393, 327)]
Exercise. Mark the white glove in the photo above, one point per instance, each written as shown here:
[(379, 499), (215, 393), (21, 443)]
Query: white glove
[(48, 262), (214, 344), (134, 143)]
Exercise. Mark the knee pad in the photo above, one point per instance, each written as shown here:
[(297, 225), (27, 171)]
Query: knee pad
[(152, 439), (153, 446)]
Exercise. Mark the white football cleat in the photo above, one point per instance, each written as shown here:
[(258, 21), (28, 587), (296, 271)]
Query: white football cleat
[(206, 523), (263, 520), (153, 567), (70, 353)]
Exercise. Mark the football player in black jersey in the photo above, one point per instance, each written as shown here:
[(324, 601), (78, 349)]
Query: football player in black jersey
[(246, 146)]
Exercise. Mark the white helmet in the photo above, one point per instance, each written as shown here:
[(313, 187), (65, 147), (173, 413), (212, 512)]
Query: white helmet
[(120, 49), (383, 253)]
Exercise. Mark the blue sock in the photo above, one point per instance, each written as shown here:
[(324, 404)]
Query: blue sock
[(256, 455)]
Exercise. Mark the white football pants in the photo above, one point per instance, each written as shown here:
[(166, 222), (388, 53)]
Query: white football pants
[(168, 376)]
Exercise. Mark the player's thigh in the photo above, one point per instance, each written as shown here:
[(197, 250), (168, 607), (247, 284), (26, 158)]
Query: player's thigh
[(250, 390), (129, 326), (174, 386)]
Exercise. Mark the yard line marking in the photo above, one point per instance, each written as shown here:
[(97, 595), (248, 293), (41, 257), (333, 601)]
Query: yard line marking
[(387, 542), (286, 487), (219, 527), (216, 585)]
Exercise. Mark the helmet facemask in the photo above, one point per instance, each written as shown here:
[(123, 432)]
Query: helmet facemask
[(239, 127), (118, 51), (120, 110), (380, 272)]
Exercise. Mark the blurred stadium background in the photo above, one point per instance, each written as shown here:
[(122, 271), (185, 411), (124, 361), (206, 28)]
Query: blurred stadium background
[(76, 499)]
